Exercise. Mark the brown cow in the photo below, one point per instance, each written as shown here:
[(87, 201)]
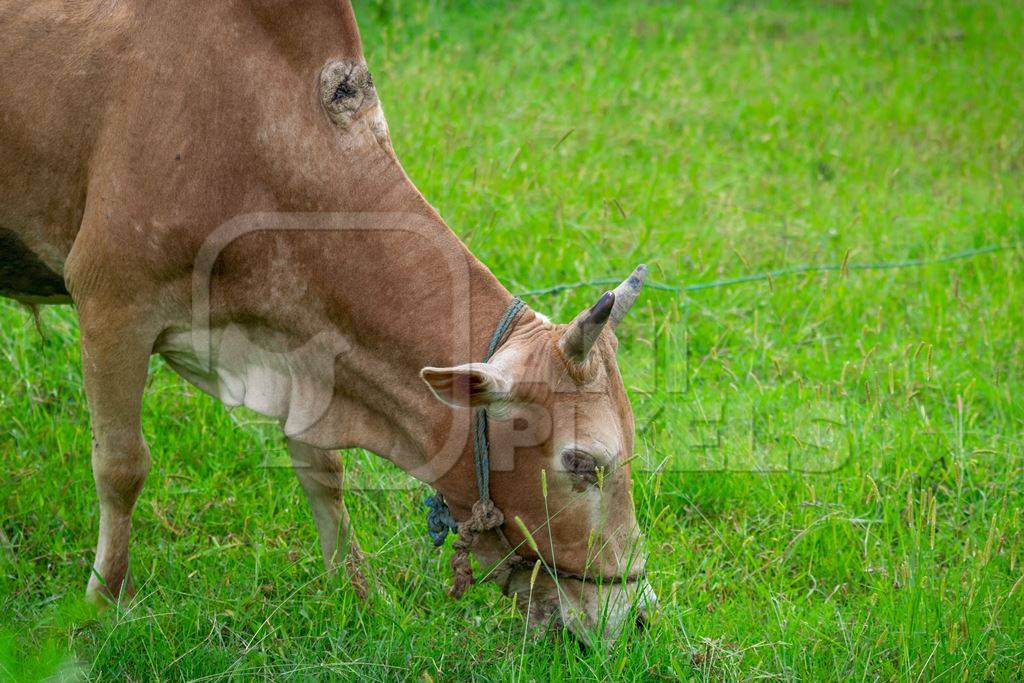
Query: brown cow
[(214, 182)]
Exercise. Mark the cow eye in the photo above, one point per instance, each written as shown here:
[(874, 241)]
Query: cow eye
[(581, 465)]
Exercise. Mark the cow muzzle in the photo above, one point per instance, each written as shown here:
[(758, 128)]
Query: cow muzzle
[(595, 612)]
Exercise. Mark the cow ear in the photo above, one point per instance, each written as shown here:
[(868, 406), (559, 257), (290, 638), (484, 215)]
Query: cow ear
[(469, 385)]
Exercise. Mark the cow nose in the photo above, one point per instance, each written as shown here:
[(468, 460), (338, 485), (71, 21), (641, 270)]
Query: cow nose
[(641, 619), (646, 607)]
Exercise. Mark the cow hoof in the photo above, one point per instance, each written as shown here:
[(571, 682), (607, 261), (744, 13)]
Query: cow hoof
[(355, 566), (102, 596)]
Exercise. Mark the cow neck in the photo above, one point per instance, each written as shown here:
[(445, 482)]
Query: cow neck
[(450, 445), (381, 403)]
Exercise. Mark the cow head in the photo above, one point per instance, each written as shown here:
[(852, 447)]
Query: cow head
[(561, 437)]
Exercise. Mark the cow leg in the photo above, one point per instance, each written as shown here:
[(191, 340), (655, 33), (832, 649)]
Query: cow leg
[(115, 362), (321, 474)]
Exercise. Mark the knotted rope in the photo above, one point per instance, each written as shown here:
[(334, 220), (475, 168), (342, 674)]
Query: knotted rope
[(485, 516)]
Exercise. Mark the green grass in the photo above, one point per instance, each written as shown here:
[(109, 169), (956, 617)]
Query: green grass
[(835, 470)]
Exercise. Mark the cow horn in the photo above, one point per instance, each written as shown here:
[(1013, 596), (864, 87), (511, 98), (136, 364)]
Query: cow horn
[(626, 294), (579, 338)]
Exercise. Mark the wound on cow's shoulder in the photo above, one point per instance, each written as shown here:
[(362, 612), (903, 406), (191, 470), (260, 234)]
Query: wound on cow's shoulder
[(346, 89)]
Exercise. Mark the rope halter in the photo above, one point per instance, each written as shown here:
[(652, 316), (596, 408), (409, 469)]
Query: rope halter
[(484, 516)]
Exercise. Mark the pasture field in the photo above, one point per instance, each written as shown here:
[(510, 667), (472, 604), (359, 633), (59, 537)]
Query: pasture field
[(832, 463)]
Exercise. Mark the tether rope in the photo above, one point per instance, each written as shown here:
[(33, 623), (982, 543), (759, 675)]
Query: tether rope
[(844, 266)]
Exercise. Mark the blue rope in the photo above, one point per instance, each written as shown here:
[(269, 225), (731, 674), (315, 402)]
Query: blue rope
[(481, 449), (439, 519), (794, 270)]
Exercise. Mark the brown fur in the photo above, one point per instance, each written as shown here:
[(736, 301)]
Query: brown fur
[(136, 134)]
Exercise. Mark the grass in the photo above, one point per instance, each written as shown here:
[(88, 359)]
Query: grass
[(834, 460)]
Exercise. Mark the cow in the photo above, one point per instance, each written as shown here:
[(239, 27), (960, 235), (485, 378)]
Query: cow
[(215, 183)]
